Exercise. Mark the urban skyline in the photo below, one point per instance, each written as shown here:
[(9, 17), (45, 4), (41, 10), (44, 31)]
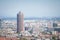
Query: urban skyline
[(29, 19), (33, 29)]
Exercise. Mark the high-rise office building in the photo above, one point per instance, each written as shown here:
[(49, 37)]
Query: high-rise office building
[(0, 23), (20, 22)]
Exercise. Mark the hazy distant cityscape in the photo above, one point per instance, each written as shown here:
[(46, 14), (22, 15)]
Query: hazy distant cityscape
[(30, 28), (29, 19)]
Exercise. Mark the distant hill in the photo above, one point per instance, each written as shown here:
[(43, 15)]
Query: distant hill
[(34, 18)]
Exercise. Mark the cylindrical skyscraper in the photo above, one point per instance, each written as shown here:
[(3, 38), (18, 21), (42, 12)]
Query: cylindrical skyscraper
[(20, 22), (0, 23)]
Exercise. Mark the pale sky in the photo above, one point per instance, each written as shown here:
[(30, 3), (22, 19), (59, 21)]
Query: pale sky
[(30, 8)]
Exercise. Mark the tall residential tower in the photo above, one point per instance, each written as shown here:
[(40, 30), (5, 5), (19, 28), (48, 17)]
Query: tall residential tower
[(20, 22)]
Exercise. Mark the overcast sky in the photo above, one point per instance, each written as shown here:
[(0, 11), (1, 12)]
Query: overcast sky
[(30, 8)]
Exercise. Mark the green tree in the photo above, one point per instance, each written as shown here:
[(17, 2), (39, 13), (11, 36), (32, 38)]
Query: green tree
[(53, 37)]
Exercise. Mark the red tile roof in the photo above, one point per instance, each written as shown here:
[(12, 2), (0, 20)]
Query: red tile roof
[(4, 38)]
